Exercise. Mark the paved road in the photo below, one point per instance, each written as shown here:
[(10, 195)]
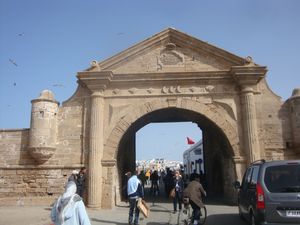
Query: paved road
[(161, 213)]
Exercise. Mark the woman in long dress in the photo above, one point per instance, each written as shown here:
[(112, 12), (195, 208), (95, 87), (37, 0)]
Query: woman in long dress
[(69, 209)]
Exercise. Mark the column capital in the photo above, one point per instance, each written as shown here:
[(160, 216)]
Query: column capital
[(98, 93), (246, 89)]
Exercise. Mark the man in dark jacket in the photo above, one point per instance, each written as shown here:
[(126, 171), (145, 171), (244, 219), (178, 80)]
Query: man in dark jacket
[(81, 178), (178, 186), (134, 191), (194, 192)]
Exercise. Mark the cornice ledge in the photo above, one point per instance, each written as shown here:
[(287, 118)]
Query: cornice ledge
[(248, 74), (171, 76), (95, 80)]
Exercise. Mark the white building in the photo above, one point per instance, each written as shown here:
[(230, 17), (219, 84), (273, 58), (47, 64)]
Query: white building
[(158, 164), (193, 158)]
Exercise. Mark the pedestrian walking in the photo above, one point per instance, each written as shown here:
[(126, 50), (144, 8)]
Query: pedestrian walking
[(168, 181), (178, 186), (69, 209), (154, 183), (142, 178), (194, 192), (81, 178), (134, 191), (124, 187)]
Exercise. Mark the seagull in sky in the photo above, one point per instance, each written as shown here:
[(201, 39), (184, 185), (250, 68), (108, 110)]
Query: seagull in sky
[(13, 62), (58, 85)]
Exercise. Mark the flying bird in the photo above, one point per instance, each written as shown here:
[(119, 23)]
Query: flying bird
[(13, 62), (21, 34), (58, 85)]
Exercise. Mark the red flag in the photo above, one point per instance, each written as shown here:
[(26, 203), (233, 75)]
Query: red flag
[(190, 141)]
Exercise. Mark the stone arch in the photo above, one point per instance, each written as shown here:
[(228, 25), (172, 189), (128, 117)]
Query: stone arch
[(212, 112)]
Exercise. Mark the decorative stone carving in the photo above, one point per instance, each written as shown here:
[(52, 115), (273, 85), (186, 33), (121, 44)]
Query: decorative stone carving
[(249, 61), (170, 46), (133, 90), (170, 57), (95, 65), (178, 89), (171, 90), (209, 88), (193, 89), (116, 91), (150, 90), (164, 90)]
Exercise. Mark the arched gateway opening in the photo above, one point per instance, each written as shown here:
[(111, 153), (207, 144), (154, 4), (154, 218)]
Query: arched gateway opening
[(219, 141), (218, 152)]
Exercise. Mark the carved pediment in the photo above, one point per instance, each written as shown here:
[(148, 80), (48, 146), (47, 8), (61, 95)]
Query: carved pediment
[(169, 51)]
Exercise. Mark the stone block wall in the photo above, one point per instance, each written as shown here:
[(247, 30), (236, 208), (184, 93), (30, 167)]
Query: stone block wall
[(273, 119), (25, 181), (21, 185)]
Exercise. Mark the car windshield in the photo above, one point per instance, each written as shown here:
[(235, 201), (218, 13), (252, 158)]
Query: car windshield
[(284, 178)]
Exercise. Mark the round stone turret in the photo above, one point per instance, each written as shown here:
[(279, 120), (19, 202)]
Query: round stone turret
[(294, 103), (43, 127)]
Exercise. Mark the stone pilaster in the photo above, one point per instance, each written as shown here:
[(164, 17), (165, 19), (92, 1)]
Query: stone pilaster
[(251, 141), (247, 78), (95, 150)]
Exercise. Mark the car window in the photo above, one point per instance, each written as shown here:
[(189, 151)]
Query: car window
[(283, 178), (247, 178), (254, 176)]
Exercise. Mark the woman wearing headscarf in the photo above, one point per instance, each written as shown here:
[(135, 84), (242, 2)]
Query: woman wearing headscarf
[(69, 209)]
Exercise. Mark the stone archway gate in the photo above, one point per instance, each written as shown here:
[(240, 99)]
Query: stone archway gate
[(168, 70)]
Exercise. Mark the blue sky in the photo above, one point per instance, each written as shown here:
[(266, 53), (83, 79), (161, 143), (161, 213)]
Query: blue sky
[(43, 44)]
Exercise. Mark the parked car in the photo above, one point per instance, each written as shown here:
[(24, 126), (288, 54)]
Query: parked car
[(270, 193)]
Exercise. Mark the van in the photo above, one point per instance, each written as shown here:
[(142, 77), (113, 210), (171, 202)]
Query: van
[(270, 193)]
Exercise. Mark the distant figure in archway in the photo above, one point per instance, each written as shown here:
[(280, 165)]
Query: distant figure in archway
[(142, 178), (135, 191), (154, 183), (168, 181), (178, 186)]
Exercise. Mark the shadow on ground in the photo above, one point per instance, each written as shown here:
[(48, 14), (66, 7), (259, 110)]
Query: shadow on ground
[(107, 222), (218, 219)]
